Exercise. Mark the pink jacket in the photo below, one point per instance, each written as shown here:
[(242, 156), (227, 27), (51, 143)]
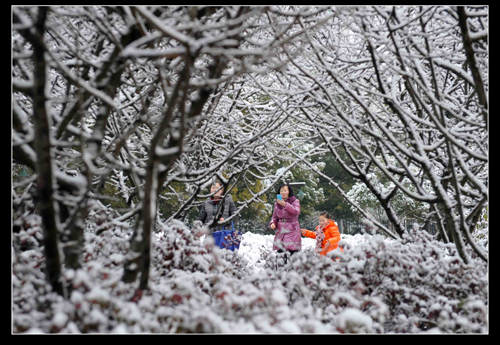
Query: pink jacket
[(286, 219)]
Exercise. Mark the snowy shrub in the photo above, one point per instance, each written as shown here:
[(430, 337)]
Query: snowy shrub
[(30, 234), (423, 283), (177, 248), (410, 285)]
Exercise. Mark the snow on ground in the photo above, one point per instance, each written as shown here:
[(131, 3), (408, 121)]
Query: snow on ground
[(253, 245)]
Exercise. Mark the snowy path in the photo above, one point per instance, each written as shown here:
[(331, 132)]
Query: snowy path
[(252, 245)]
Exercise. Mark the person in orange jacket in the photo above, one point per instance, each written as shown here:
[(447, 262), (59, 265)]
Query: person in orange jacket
[(327, 234)]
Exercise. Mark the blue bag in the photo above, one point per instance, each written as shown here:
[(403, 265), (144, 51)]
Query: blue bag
[(227, 239)]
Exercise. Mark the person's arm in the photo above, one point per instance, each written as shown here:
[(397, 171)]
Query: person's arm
[(232, 210), (274, 220), (203, 214), (293, 208), (334, 236), (308, 233)]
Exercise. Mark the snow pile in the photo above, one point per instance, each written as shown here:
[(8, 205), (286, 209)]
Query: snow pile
[(411, 285)]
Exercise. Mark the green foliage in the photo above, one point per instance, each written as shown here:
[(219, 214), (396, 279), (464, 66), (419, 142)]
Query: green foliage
[(171, 199), (18, 172), (334, 202), (243, 192), (115, 200)]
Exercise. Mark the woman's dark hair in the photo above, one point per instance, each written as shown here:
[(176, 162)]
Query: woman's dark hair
[(290, 190), (325, 214)]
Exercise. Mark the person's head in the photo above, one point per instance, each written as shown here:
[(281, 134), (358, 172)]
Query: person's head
[(286, 191), (217, 186), (324, 219)]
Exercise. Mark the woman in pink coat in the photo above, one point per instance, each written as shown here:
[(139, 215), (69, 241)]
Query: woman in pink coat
[(286, 222)]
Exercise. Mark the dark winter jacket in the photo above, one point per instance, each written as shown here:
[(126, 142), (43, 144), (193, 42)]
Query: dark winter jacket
[(210, 207), (286, 220)]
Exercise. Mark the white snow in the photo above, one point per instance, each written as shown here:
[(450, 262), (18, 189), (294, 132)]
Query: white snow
[(252, 246), (247, 291), (60, 319), (354, 318)]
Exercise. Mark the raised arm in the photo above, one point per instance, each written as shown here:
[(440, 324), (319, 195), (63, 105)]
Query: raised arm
[(293, 208)]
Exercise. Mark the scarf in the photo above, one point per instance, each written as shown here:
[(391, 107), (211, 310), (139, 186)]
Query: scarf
[(320, 236)]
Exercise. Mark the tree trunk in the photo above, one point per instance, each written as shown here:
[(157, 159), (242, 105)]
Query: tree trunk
[(471, 59), (45, 188)]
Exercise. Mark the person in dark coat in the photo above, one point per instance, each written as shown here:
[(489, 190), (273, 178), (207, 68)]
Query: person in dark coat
[(286, 222), (212, 205)]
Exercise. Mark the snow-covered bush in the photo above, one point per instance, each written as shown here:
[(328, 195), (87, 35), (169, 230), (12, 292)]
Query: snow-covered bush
[(377, 286), (423, 283)]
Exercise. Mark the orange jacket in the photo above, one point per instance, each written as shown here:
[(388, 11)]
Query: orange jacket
[(332, 235)]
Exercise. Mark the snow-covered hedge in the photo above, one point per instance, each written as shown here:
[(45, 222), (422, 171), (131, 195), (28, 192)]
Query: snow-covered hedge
[(377, 286)]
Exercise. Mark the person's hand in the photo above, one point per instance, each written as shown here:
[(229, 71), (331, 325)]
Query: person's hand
[(303, 231), (327, 245), (221, 219), (273, 226), (281, 202)]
